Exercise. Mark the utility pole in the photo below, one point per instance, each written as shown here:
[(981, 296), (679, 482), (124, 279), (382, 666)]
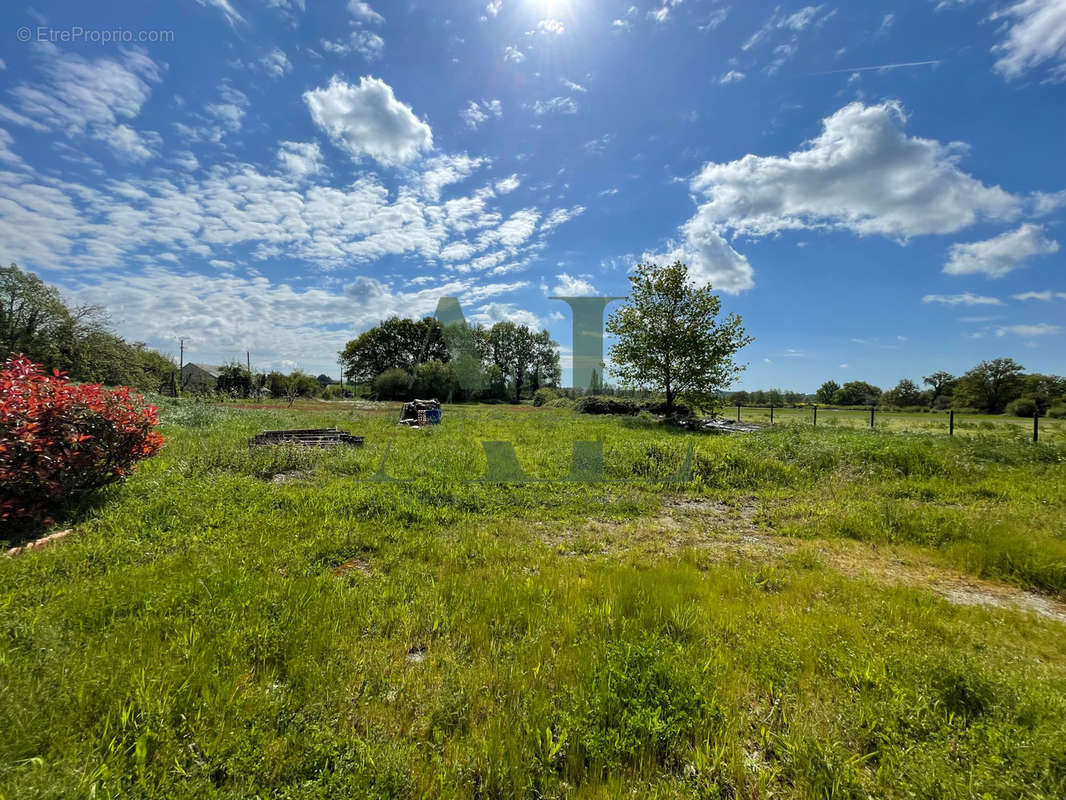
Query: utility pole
[(181, 358)]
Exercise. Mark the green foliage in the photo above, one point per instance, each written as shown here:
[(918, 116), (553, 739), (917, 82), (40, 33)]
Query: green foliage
[(598, 404), (394, 344), (436, 379), (1023, 407), (544, 396), (670, 338), (856, 393), (1057, 411), (394, 384), (826, 392), (35, 321), (991, 385), (905, 393)]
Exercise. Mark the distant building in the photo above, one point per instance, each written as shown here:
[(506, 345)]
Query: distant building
[(199, 377)]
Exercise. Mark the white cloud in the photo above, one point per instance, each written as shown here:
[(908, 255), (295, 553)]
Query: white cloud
[(93, 97), (491, 313), (609, 192), (513, 54), (733, 76), (571, 286), (366, 43), (368, 120), (560, 216), (552, 26), (1002, 254), (574, 87), (301, 159), (1046, 296), (863, 173), (709, 257), (232, 17), (275, 63), (363, 12), (493, 8), (1040, 329), (477, 112), (445, 170), (964, 299), (556, 105), (1035, 35), (507, 185), (132, 145)]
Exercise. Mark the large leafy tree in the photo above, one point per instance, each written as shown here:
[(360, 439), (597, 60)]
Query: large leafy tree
[(670, 337), (826, 392), (991, 384), (394, 344), (940, 382), (513, 350)]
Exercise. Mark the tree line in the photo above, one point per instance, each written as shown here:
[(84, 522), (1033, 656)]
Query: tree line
[(403, 358), (35, 321), (1000, 385)]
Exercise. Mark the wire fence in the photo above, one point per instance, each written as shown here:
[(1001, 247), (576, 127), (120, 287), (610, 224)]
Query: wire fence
[(949, 422)]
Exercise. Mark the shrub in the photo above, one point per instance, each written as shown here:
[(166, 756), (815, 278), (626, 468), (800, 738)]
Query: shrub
[(659, 407), (59, 440), (1023, 407), (562, 402), (1057, 411), (394, 384), (544, 396), (597, 404), (436, 379)]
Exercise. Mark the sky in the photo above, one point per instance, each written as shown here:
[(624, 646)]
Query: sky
[(878, 189)]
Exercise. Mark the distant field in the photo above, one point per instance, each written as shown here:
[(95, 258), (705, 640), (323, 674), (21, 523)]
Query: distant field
[(830, 612)]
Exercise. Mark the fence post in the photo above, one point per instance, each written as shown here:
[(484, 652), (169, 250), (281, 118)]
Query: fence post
[(771, 415), (951, 422), (871, 416), (738, 412), (1036, 426), (816, 416)]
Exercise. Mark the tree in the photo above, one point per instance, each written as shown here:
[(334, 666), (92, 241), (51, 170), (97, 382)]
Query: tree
[(394, 344), (545, 369), (670, 338), (991, 385), (513, 348), (826, 392), (905, 393), (856, 393), (941, 383)]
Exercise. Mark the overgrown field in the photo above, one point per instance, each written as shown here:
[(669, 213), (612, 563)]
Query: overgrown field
[(287, 624)]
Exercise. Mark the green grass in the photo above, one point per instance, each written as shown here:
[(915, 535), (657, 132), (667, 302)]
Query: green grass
[(271, 623)]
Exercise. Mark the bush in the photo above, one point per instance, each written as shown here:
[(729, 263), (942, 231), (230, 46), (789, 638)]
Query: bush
[(59, 440), (544, 396), (436, 379), (562, 402), (1057, 411), (394, 384), (659, 407), (597, 404), (1023, 407)]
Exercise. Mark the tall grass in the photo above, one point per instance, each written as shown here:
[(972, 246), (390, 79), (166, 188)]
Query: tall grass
[(211, 631)]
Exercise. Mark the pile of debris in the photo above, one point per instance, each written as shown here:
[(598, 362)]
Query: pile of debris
[(419, 413), (718, 425), (307, 437)]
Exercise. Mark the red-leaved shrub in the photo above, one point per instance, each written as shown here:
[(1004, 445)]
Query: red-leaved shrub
[(60, 439)]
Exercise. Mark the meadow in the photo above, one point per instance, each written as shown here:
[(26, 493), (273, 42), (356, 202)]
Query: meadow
[(830, 612)]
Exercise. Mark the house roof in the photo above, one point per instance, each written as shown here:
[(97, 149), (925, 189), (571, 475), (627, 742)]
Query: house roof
[(214, 372)]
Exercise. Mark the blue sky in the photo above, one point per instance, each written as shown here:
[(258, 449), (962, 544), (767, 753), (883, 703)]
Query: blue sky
[(879, 189)]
